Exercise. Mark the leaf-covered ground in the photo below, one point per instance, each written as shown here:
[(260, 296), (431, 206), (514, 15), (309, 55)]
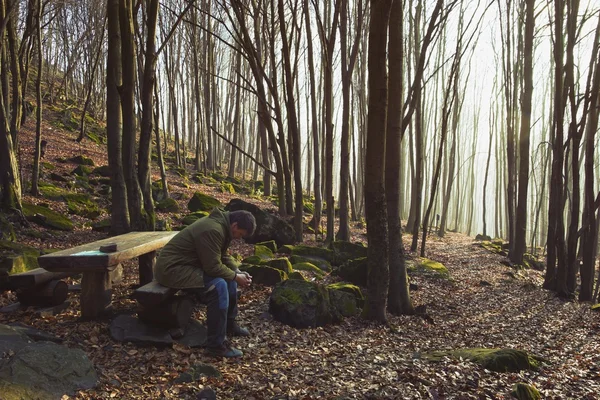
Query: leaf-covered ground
[(485, 304)]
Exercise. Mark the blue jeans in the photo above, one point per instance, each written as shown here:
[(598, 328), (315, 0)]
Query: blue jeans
[(221, 308)]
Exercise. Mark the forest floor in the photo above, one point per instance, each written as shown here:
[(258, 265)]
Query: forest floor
[(484, 304)]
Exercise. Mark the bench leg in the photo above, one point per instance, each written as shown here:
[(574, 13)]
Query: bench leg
[(146, 271), (96, 293)]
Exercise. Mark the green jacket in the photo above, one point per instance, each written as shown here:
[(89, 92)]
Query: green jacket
[(199, 249)]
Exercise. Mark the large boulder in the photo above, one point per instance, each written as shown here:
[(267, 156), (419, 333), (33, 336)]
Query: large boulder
[(268, 226), (354, 271), (346, 298), (202, 202), (41, 370), (264, 275), (302, 304), (344, 251), (47, 218)]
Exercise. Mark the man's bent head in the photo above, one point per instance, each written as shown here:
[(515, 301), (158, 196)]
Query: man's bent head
[(243, 224)]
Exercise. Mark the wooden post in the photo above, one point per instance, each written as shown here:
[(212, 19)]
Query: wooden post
[(146, 270), (96, 293)]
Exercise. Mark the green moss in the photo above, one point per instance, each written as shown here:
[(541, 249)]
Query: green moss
[(323, 265), (349, 288), (264, 275), (345, 251), (595, 307), (47, 166), (51, 191), (307, 266), (102, 226), (309, 251), (270, 244), (524, 391), (498, 360), (16, 257), (168, 205), (202, 202), (296, 275), (46, 217), (282, 264), (82, 170), (263, 252), (82, 204), (82, 160), (227, 187), (309, 207), (7, 231), (431, 268), (254, 260), (344, 303)]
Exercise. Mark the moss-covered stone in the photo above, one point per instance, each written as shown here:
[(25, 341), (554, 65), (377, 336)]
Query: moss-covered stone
[(103, 170), (524, 391), (264, 275), (82, 160), (16, 257), (254, 260), (58, 178), (309, 207), (50, 191), (495, 246), (429, 268), (168, 205), (349, 288), (7, 231), (263, 252), (46, 166), (270, 244), (227, 187), (310, 267), (82, 170), (282, 264), (102, 225), (296, 275), (345, 251), (82, 204), (46, 217), (302, 304), (180, 171), (498, 360), (309, 251), (193, 217), (354, 271), (595, 307), (322, 264), (202, 202), (344, 303)]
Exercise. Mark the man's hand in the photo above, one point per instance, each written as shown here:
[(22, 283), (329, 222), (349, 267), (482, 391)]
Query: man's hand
[(243, 279)]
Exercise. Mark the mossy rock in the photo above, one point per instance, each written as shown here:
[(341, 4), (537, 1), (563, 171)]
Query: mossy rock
[(163, 225), (82, 204), (495, 246), (296, 275), (103, 170), (102, 225), (202, 202), (16, 257), (264, 275), (595, 307), (82, 160), (7, 231), (193, 217), (525, 391), (429, 268), (168, 205), (263, 252), (58, 178), (354, 271), (349, 288), (310, 267), (532, 261), (309, 207), (309, 251), (322, 264), (270, 244), (282, 264), (498, 360), (47, 166), (345, 251), (180, 171), (52, 192), (254, 260), (344, 303), (302, 304), (45, 217), (227, 187), (82, 170), (259, 185)]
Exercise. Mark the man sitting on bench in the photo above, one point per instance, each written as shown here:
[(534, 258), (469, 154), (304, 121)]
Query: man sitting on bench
[(197, 258)]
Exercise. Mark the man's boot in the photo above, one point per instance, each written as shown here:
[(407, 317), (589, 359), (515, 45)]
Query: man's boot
[(233, 329), (216, 323)]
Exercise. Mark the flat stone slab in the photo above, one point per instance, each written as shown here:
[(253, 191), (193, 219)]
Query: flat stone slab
[(35, 334), (128, 328)]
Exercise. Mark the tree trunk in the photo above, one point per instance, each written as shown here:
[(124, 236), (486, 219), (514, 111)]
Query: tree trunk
[(376, 211)]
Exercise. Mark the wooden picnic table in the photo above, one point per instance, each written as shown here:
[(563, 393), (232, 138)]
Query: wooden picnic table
[(97, 266)]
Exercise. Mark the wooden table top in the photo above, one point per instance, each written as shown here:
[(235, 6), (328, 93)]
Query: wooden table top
[(88, 257)]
